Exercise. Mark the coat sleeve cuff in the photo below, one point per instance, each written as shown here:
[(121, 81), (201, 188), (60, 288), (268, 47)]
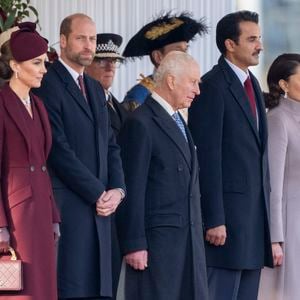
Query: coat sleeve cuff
[(134, 245)]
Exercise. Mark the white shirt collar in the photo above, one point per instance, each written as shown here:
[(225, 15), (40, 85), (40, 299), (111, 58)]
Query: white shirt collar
[(241, 74), (72, 72), (169, 109)]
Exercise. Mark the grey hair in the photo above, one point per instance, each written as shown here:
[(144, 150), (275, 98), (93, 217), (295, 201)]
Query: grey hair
[(174, 63)]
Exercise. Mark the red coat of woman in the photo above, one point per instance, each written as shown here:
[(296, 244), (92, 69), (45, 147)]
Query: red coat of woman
[(27, 207)]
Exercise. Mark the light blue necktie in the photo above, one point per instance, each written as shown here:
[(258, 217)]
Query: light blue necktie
[(179, 123)]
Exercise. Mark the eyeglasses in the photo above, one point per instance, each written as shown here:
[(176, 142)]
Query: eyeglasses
[(105, 62)]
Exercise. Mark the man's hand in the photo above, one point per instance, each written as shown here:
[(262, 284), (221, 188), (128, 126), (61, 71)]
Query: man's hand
[(4, 239), (277, 254), (108, 202), (216, 236), (137, 260), (56, 232)]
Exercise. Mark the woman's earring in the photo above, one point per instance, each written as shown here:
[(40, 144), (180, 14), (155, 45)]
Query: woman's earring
[(16, 75), (285, 95)]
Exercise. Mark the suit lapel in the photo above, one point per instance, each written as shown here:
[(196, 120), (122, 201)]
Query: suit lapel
[(167, 124), (97, 100), (194, 164), (45, 123), (261, 109), (73, 88), (15, 113), (120, 109), (239, 95), (114, 112), (98, 108), (115, 119)]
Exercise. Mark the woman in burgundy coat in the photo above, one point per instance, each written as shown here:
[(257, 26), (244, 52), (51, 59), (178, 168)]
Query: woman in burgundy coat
[(28, 215)]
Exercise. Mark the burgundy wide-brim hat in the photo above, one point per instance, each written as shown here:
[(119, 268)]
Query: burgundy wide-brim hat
[(26, 43)]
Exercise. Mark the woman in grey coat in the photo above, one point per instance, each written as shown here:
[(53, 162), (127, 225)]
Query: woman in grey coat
[(283, 100)]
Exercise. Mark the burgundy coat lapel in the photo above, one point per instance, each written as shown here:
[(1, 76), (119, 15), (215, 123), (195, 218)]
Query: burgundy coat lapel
[(15, 112), (45, 122)]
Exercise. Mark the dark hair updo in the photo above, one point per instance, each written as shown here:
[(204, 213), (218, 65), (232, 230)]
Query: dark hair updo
[(5, 56), (282, 67)]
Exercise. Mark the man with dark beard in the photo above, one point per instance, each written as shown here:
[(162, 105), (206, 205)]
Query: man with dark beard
[(228, 124), (84, 164)]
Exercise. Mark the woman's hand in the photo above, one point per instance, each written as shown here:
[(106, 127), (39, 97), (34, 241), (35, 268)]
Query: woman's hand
[(4, 239), (277, 254), (56, 232)]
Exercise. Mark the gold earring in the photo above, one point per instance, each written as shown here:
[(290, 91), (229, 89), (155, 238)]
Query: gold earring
[(16, 75)]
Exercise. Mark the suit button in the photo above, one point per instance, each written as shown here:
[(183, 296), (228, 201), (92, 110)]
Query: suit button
[(44, 168), (180, 168), (32, 168), (192, 223)]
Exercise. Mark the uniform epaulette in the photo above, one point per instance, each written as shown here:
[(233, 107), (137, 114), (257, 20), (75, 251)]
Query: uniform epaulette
[(147, 82)]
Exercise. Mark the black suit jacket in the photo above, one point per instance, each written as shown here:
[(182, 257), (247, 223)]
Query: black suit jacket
[(161, 212), (234, 174), (84, 162), (118, 115)]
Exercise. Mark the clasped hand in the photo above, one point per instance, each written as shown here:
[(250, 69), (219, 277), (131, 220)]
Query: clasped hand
[(108, 202)]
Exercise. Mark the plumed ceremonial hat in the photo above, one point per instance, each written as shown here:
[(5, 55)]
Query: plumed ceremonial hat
[(164, 30), (108, 46), (26, 43)]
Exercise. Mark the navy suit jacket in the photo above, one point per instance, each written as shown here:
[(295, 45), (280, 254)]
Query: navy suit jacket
[(162, 206), (118, 115), (234, 174), (84, 162)]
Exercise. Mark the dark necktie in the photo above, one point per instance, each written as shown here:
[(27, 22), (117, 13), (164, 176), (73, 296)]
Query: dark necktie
[(82, 86), (251, 96), (179, 123), (110, 101)]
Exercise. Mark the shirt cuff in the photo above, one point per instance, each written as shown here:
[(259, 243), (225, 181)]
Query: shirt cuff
[(122, 192)]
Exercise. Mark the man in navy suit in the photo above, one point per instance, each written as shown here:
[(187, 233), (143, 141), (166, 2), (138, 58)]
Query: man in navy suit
[(85, 164), (228, 125), (160, 222), (106, 61)]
